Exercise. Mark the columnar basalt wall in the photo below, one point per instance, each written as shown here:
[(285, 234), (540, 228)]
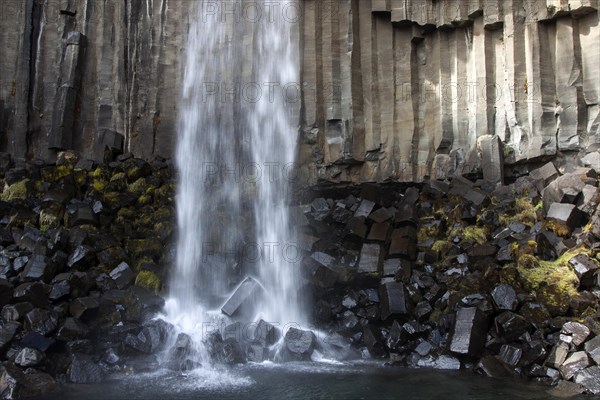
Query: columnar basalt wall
[(118, 86), (391, 89), (408, 87)]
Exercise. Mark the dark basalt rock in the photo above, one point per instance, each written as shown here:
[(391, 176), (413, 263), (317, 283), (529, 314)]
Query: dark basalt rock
[(509, 326), (589, 378), (374, 341), (226, 351), (71, 329), (32, 292), (60, 290), (15, 312), (38, 268), (510, 354), (41, 321), (82, 258), (573, 364), (14, 384), (370, 258), (491, 367), (244, 297), (84, 308), (505, 297), (468, 335), (37, 341), (574, 332), (394, 300), (298, 344), (585, 268), (8, 331), (29, 357), (122, 275), (265, 334), (84, 370)]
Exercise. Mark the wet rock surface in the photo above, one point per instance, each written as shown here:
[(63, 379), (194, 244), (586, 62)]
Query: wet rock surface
[(448, 274)]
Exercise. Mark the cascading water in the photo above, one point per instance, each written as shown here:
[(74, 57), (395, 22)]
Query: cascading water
[(237, 141)]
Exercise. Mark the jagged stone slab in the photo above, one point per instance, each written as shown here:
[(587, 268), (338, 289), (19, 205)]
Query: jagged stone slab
[(247, 292), (585, 268), (470, 329), (394, 300), (370, 258)]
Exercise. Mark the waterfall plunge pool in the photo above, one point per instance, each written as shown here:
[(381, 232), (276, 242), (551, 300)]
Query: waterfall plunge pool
[(307, 380)]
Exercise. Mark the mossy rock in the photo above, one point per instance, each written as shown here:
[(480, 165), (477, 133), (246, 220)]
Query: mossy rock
[(17, 191), (553, 282), (55, 173), (51, 215), (557, 227), (148, 280), (136, 168), (118, 182), (524, 212), (126, 214), (100, 178), (151, 247), (442, 247), (138, 187)]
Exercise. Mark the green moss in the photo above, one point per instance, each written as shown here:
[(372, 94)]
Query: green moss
[(144, 200), (144, 260), (469, 234), (524, 212), (426, 232), (557, 227), (441, 246), (99, 184), (16, 191), (148, 280), (537, 275), (137, 187)]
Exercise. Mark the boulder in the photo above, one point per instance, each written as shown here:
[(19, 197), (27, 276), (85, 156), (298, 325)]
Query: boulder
[(41, 321), (394, 300), (370, 258), (491, 367), (505, 297), (32, 292), (298, 344), (29, 357), (38, 268), (589, 378), (573, 364), (544, 174), (265, 334), (574, 332), (592, 347), (8, 330), (14, 384), (557, 355), (365, 208), (60, 290), (37, 341), (320, 209), (379, 232), (510, 354), (71, 329), (509, 326), (404, 243), (563, 218), (243, 298), (585, 268), (84, 308), (469, 332), (381, 215), (374, 341), (83, 370), (82, 258), (15, 312)]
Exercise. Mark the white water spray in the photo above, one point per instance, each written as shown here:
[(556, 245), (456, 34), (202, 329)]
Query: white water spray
[(235, 154)]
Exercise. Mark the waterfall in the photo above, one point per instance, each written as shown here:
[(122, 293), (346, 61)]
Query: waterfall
[(236, 148)]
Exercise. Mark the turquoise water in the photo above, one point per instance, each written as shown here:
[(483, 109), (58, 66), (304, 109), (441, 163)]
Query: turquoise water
[(307, 381)]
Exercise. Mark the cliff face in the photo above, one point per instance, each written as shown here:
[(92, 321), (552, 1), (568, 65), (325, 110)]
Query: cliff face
[(409, 86), (395, 89), (83, 74)]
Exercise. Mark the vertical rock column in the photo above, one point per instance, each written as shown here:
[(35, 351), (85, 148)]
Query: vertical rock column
[(65, 102)]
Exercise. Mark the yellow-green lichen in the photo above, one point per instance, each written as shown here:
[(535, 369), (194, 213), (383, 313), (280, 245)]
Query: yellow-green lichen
[(16, 191), (148, 280)]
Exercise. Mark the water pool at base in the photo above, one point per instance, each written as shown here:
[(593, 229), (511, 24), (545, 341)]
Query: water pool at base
[(307, 381)]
